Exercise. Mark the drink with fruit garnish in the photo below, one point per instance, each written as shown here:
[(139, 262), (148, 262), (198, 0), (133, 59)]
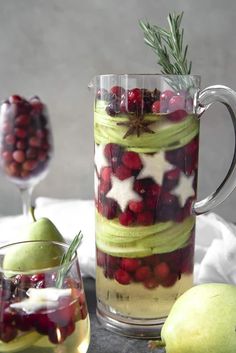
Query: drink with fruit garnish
[(25, 143), (38, 313), (146, 164)]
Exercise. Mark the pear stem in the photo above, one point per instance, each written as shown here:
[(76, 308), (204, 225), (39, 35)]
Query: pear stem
[(156, 344), (32, 209)]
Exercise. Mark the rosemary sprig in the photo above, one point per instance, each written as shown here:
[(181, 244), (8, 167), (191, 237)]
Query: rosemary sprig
[(66, 259), (168, 45)]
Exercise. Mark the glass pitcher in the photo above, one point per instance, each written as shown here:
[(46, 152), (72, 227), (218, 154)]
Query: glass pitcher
[(146, 130)]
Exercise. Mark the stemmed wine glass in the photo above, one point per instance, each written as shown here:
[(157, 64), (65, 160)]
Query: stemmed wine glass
[(25, 144)]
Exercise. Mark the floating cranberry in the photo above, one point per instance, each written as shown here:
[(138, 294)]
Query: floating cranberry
[(151, 202), (102, 94), (135, 96), (143, 273), (131, 160), (122, 172), (111, 109), (106, 174), (151, 260), (37, 278), (171, 179), (153, 190), (13, 169), (136, 206), (57, 335), (161, 271), (176, 103), (122, 277), (23, 322), (192, 147), (101, 258), (7, 333), (130, 265), (103, 188), (151, 283), (177, 115), (108, 209), (145, 218), (43, 324), (164, 99), (170, 280), (126, 218), (21, 144), (156, 107), (113, 153), (117, 90)]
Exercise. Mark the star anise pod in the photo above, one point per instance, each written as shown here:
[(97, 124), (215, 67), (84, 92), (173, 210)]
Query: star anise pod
[(136, 125)]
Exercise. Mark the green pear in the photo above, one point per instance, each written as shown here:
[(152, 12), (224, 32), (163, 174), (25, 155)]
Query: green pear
[(202, 320), (42, 229), (32, 256)]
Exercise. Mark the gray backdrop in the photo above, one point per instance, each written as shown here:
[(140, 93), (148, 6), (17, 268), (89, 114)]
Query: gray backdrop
[(53, 48)]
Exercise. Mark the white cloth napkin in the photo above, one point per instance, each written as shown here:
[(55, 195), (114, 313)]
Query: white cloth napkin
[(215, 250)]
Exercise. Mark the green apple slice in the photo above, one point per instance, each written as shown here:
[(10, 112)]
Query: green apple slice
[(165, 241), (114, 228), (20, 343)]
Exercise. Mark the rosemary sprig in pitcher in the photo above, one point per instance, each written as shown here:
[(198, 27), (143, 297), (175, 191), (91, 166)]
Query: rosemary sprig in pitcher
[(169, 47)]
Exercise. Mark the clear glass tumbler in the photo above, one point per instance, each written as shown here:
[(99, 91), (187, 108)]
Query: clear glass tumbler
[(146, 130), (42, 306)]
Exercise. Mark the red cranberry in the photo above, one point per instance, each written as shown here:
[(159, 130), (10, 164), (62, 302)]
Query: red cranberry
[(7, 156), (171, 179), (35, 141), (136, 206), (13, 169), (151, 260), (31, 153), (151, 202), (30, 165), (153, 190), (145, 218), (7, 333), (22, 120), (15, 99), (10, 139), (130, 265), (117, 90), (156, 107), (21, 133), (103, 188), (161, 271), (109, 209), (150, 283), (43, 324), (23, 322), (170, 280), (140, 187), (131, 160), (176, 103), (101, 258), (102, 93), (21, 144), (112, 152), (18, 156), (143, 273), (122, 277), (135, 96), (57, 335), (37, 277), (106, 174), (165, 98), (126, 218), (112, 261), (111, 109), (177, 115), (122, 172)]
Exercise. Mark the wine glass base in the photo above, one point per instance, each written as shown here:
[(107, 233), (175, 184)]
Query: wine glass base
[(126, 326)]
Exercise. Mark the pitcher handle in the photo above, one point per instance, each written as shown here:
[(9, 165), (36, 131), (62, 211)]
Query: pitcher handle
[(204, 100)]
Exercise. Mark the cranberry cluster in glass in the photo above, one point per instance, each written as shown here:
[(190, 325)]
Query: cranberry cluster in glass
[(47, 322), (25, 144)]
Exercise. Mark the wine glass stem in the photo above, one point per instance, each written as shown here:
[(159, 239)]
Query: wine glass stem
[(26, 200)]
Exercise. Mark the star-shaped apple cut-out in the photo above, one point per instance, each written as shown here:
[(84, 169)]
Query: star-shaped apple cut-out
[(184, 189), (99, 158), (122, 192), (154, 166)]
